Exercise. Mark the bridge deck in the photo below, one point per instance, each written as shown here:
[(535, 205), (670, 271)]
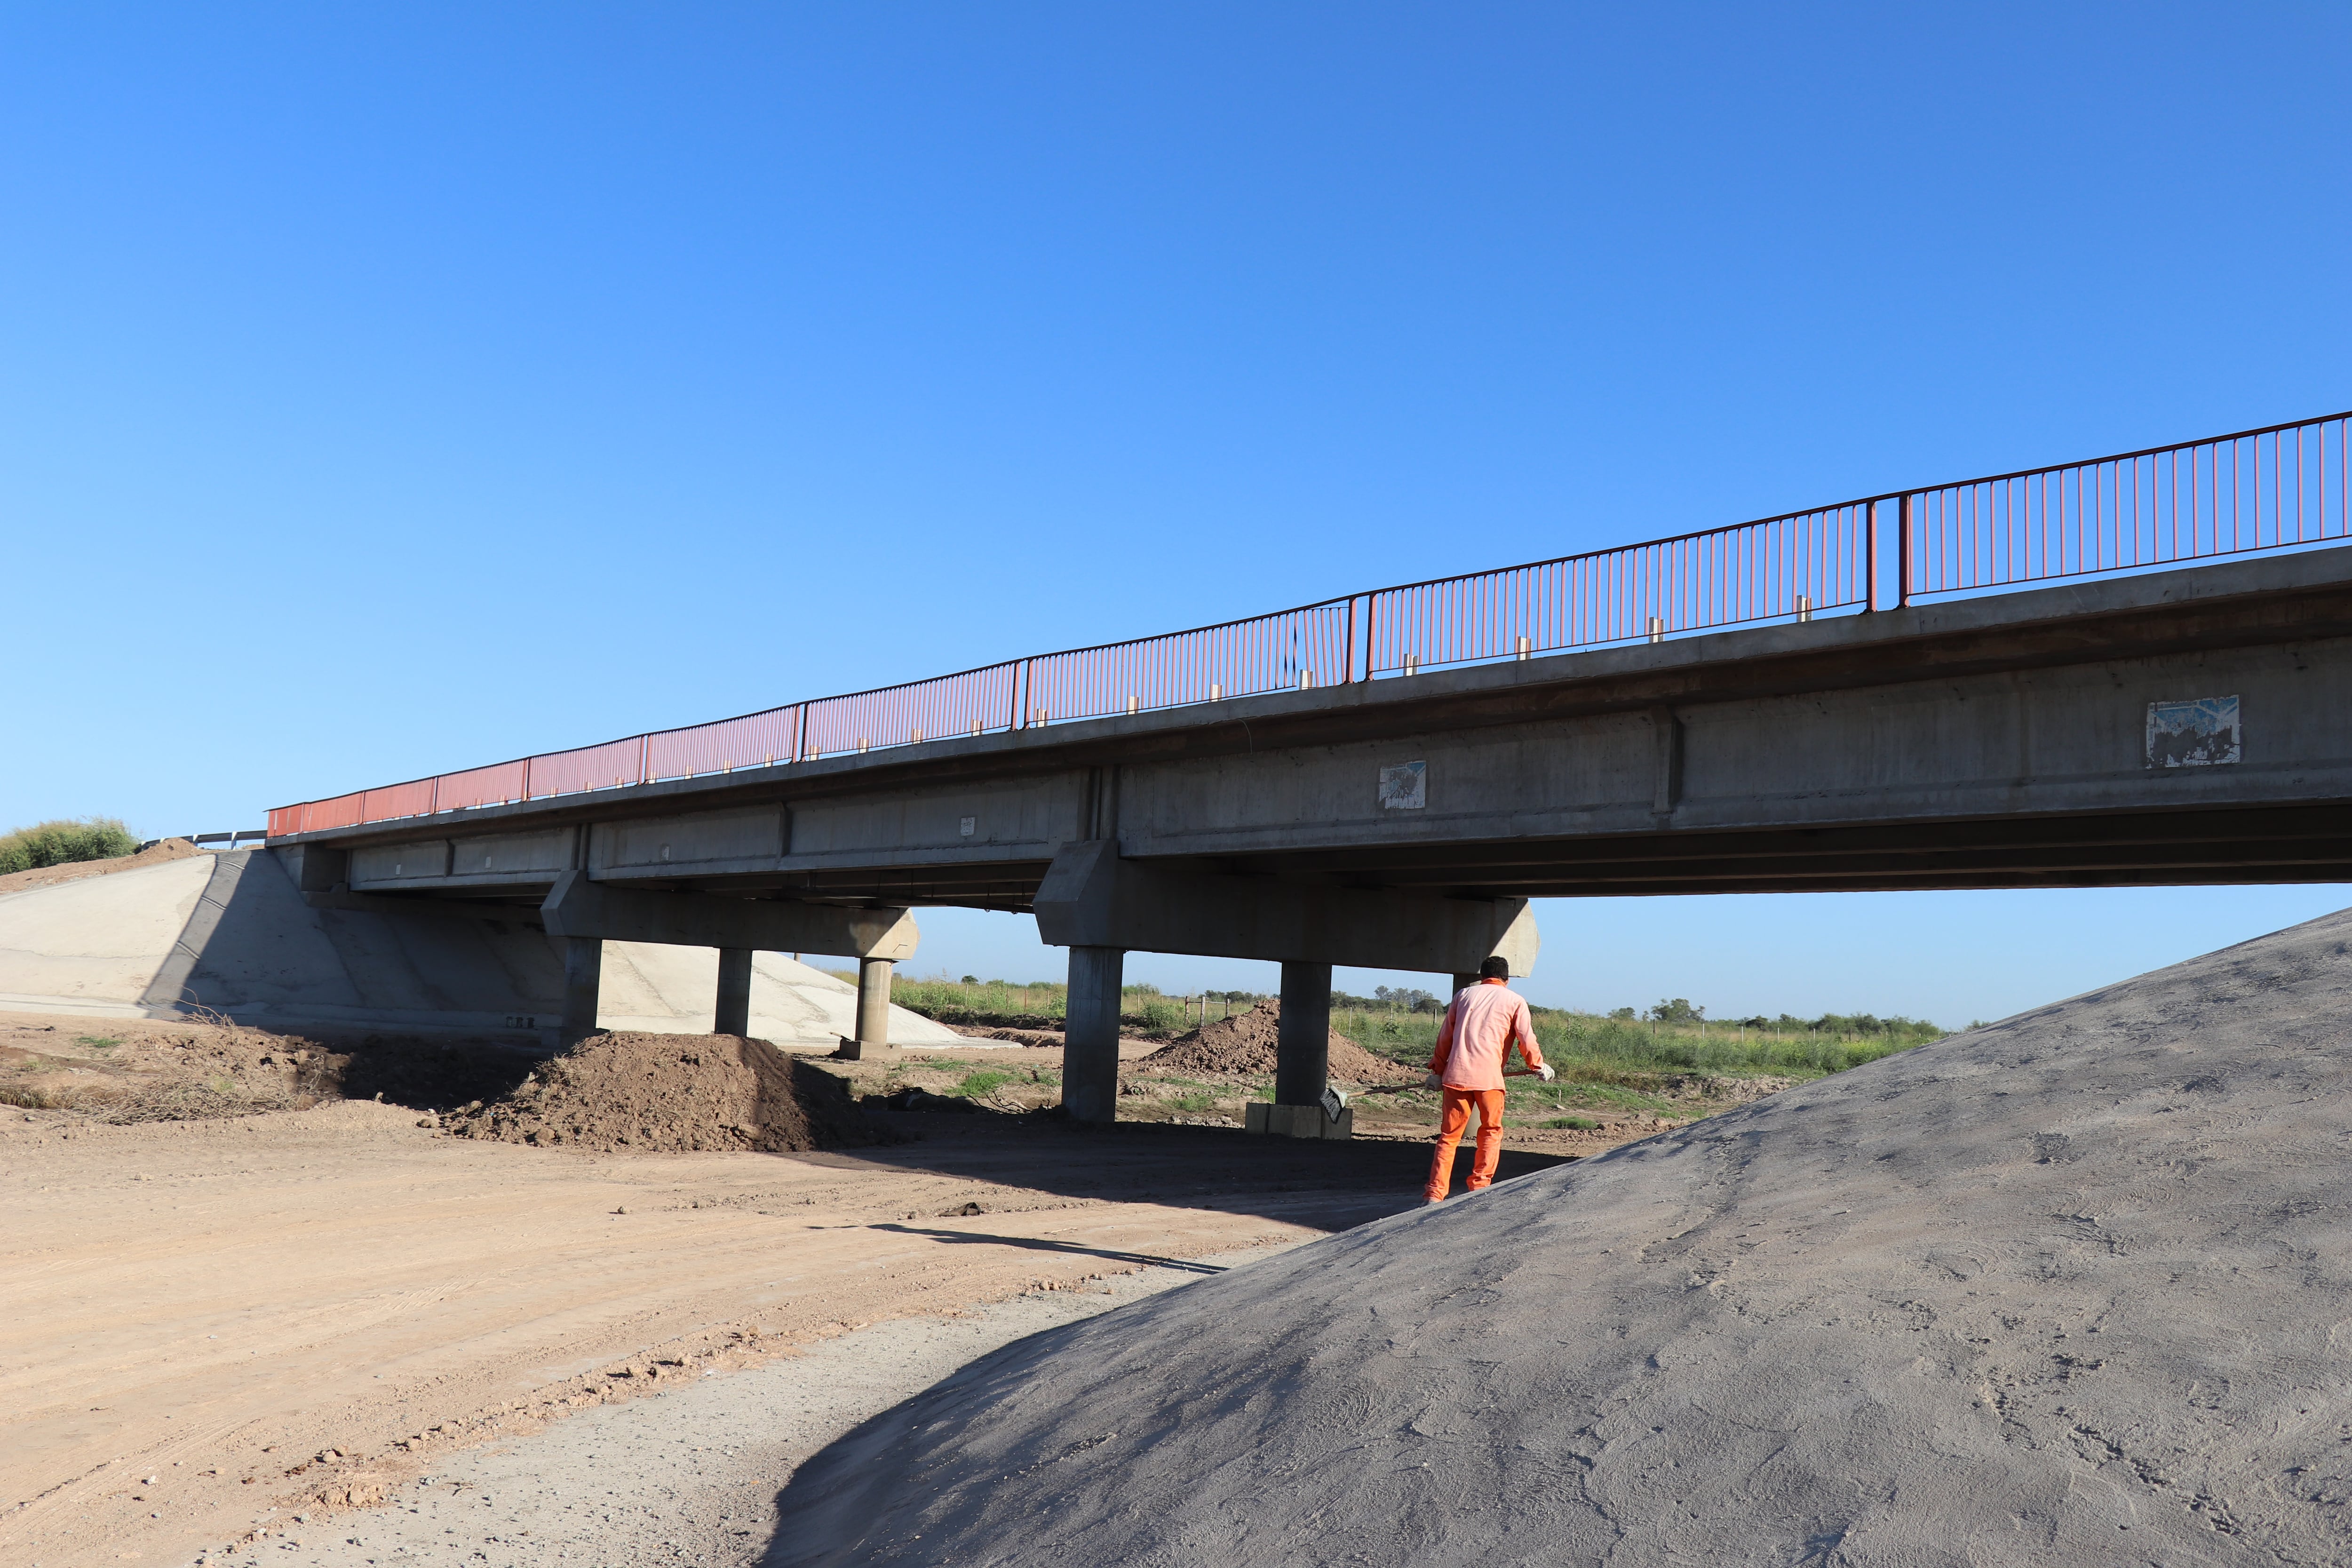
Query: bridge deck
[(1993, 742)]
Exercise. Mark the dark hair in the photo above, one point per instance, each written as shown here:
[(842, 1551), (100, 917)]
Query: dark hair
[(1495, 968)]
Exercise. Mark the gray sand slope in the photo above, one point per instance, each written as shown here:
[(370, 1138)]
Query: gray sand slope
[(2076, 1288)]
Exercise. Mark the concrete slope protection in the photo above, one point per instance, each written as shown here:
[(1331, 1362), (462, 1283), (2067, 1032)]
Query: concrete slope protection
[(231, 933), (2076, 1286)]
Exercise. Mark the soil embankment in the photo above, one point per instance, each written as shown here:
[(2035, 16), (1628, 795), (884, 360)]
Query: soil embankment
[(1243, 1047), (673, 1093), (2072, 1288), (75, 870)]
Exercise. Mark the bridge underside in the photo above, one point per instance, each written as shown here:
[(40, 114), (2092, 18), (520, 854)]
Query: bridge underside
[(2152, 849)]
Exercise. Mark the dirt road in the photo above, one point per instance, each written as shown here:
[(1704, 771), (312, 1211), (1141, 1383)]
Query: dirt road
[(202, 1321)]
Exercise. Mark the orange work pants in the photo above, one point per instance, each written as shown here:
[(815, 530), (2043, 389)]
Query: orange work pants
[(1456, 1117)]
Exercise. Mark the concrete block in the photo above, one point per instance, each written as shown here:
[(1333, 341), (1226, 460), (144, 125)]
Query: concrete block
[(1297, 1121)]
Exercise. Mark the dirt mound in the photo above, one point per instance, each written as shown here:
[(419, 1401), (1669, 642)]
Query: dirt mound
[(2069, 1288), (1243, 1047), (73, 871), (669, 1093)]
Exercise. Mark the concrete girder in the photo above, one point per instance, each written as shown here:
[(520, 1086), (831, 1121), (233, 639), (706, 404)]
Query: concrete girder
[(579, 907), (1092, 898)]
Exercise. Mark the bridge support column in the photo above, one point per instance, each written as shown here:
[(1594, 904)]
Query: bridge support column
[(873, 1009), (1302, 1049), (583, 970), (1463, 982), (1090, 1035), (734, 1012)]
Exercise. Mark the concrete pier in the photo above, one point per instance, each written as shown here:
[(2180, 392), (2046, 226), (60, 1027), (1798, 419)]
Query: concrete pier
[(1302, 1050), (1091, 1033), (583, 972), (873, 1007), (734, 1012)]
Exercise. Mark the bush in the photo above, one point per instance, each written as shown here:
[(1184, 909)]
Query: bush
[(61, 842)]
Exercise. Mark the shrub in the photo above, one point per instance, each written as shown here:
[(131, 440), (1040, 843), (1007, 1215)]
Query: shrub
[(61, 841)]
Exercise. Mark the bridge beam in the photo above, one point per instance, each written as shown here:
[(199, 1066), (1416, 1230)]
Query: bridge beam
[(1091, 898), (585, 914), (579, 907), (1100, 906)]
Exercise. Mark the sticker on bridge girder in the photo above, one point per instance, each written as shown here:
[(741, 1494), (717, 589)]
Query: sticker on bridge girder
[(1405, 787), (2200, 732)]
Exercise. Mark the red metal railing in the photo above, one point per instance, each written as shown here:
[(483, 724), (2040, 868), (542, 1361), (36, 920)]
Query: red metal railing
[(2276, 488), (1289, 650), (1775, 568), (2259, 489)]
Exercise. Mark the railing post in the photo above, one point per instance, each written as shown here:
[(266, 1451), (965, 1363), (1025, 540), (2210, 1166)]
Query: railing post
[(1371, 603), (644, 755), (1903, 550), (1348, 675), (1870, 557)]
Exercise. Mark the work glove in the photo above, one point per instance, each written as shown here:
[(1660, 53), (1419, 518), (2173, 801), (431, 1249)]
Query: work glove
[(1431, 1080), (1546, 1074)]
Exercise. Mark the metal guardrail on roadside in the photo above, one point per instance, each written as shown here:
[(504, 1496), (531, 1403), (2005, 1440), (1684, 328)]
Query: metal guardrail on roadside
[(2275, 488), (202, 840)]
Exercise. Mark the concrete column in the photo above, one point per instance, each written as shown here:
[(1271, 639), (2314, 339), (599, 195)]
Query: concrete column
[(734, 1009), (1462, 982), (583, 969), (1090, 1035), (1302, 1048), (873, 1005)]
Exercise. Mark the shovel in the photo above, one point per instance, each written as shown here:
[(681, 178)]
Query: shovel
[(1335, 1100)]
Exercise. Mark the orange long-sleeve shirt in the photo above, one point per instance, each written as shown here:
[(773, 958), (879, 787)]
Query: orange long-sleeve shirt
[(1481, 1026)]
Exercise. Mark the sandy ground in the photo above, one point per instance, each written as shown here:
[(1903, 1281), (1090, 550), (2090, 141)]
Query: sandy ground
[(204, 1320), (690, 1477)]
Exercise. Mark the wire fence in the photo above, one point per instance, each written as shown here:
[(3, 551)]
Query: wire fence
[(2280, 487)]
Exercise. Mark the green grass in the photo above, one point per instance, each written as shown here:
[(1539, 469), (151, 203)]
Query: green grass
[(1581, 1123), (1589, 1049), (979, 1085), (61, 841), (95, 1043), (1046, 1002), (1194, 1102)]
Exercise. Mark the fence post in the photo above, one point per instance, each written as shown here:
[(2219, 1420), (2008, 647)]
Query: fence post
[(1371, 603), (1019, 681), (1348, 676), (644, 755)]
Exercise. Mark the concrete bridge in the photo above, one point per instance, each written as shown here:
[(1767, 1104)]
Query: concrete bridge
[(2179, 724), (2013, 741)]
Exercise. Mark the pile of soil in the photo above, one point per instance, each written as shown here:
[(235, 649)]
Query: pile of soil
[(2072, 1288), (669, 1093), (74, 871), (1243, 1047)]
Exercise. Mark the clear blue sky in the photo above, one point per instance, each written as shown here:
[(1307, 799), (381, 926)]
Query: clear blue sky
[(387, 390)]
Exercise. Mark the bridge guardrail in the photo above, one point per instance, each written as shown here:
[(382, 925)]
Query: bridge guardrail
[(2279, 486)]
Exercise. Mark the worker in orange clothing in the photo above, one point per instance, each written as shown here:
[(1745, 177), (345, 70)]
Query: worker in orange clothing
[(1482, 1023)]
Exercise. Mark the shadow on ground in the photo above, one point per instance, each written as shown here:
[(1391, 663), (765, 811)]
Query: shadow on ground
[(1323, 1186)]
